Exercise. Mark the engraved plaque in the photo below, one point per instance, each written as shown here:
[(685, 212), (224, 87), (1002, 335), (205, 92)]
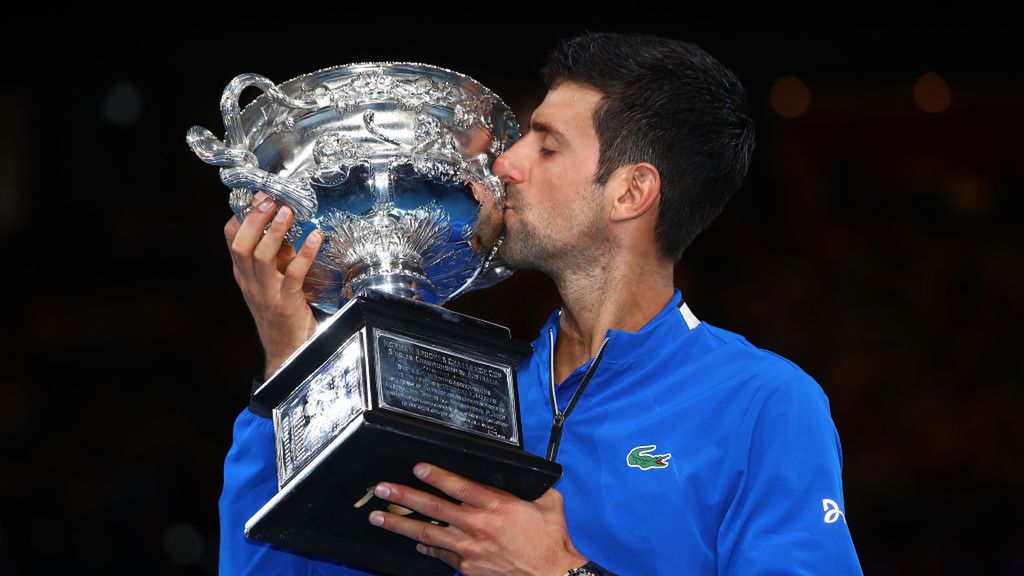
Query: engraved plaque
[(446, 387)]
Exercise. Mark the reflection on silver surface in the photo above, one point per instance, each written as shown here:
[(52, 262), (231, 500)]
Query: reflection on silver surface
[(315, 412), (392, 161)]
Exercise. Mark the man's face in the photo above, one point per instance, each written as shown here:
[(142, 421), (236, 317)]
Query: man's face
[(554, 217)]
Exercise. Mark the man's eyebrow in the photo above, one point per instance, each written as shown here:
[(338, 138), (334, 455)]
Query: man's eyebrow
[(541, 126)]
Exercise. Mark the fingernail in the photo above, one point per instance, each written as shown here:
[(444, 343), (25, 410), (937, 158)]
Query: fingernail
[(266, 205), (315, 237), (282, 214), (421, 548), (382, 491), (376, 518), (420, 470), (258, 197)]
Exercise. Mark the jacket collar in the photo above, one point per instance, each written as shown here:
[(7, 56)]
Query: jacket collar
[(669, 324)]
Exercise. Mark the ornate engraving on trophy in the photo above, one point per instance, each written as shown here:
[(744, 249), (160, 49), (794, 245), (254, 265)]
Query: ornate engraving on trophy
[(448, 388), (378, 85), (315, 412), (431, 138)]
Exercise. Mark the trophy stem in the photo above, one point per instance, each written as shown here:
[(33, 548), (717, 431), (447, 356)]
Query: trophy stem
[(383, 194), (408, 283)]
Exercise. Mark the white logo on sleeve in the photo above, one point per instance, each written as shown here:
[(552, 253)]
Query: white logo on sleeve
[(832, 511)]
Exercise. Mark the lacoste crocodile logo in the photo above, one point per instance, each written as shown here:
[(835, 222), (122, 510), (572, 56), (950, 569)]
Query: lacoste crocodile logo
[(639, 458)]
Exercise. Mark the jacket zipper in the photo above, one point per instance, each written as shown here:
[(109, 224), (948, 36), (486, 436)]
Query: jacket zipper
[(559, 417)]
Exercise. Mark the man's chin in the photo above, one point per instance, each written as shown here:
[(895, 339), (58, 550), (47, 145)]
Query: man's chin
[(516, 259), (511, 256)]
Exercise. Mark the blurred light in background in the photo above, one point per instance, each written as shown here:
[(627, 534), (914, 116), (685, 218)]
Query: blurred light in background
[(931, 93), (790, 97), (183, 544), (968, 195), (122, 104)]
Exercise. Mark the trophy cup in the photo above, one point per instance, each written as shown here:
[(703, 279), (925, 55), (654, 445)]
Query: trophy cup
[(391, 161)]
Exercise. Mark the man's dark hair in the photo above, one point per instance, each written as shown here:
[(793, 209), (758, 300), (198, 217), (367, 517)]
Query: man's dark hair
[(669, 103)]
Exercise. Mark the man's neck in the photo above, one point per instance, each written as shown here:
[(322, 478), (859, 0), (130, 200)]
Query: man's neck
[(617, 297)]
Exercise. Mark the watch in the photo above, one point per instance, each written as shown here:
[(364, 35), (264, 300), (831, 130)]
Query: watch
[(589, 569)]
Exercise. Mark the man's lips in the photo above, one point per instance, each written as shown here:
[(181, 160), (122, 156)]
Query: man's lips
[(509, 193)]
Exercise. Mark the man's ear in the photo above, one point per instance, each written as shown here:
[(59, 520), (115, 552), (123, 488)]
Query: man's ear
[(637, 191)]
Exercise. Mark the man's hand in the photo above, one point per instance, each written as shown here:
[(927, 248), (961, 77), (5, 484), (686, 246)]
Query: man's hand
[(490, 532), (271, 275)]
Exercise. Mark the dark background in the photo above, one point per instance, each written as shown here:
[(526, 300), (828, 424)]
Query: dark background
[(876, 245)]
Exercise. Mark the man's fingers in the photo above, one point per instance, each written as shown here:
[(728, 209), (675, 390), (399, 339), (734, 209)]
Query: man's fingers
[(269, 245), (423, 532), (297, 269), (249, 234), (418, 500), (230, 229), (447, 556), (462, 489), (284, 257)]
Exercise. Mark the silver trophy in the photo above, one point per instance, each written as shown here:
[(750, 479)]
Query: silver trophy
[(392, 162)]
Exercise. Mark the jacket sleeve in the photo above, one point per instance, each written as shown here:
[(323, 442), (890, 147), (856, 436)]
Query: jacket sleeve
[(250, 480), (788, 513)]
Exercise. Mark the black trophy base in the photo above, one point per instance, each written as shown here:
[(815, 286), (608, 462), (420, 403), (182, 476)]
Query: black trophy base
[(409, 383), (316, 514)]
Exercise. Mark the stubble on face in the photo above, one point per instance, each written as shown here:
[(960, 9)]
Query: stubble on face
[(556, 242)]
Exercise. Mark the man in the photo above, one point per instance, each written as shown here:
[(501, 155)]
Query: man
[(685, 449)]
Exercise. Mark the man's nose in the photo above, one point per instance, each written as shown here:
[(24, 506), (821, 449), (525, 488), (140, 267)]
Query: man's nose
[(507, 166)]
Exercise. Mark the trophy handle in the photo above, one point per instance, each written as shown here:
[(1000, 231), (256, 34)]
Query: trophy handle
[(231, 113), (240, 169), (297, 194), (240, 172)]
